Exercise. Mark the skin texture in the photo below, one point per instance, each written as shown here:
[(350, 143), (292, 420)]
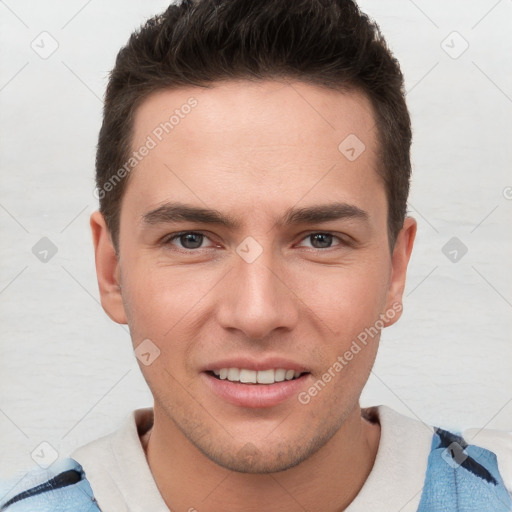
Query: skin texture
[(252, 151)]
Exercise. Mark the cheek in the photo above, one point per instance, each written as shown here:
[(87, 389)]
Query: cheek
[(159, 296), (160, 306), (347, 299)]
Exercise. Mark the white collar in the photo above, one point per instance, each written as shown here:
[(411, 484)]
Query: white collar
[(117, 469)]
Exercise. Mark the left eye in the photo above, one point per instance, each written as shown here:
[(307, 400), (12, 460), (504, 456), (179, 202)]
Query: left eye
[(321, 240)]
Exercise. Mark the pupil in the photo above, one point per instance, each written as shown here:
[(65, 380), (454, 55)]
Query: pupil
[(324, 238), (188, 242)]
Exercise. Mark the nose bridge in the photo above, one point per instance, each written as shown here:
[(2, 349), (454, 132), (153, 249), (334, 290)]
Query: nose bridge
[(256, 301)]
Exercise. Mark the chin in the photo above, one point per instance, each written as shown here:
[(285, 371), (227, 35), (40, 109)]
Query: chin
[(264, 456), (249, 459)]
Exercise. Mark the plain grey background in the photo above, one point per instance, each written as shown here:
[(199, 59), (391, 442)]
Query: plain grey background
[(68, 374)]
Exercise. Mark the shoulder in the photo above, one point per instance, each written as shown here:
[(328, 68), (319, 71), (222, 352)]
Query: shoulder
[(463, 475), (63, 486), (500, 443), (456, 472)]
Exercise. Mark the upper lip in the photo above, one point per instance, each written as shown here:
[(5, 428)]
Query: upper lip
[(268, 363)]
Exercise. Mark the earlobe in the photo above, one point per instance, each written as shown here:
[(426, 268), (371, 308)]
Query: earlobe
[(107, 269), (400, 260)]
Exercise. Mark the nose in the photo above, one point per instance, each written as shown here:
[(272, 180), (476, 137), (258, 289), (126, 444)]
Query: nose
[(258, 298)]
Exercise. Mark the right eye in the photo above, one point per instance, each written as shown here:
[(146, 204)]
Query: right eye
[(188, 240)]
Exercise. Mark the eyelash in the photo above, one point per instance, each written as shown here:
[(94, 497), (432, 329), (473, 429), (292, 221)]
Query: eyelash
[(170, 238)]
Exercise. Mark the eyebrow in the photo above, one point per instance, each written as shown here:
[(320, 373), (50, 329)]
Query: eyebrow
[(178, 212)]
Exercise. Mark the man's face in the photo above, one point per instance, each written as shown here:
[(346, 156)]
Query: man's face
[(274, 291)]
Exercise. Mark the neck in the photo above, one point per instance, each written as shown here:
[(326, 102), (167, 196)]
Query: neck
[(328, 481)]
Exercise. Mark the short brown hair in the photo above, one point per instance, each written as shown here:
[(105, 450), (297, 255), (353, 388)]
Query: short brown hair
[(199, 42)]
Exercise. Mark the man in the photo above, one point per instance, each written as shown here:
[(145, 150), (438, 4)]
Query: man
[(253, 171)]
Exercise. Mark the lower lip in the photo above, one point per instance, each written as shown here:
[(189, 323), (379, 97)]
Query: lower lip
[(255, 395)]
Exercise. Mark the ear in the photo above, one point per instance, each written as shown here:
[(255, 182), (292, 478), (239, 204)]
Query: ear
[(107, 269), (399, 261)]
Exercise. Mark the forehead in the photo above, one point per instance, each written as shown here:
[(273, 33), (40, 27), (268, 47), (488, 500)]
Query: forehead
[(243, 143), (287, 112)]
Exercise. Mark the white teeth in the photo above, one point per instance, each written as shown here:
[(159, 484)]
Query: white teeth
[(266, 377), (234, 374), (252, 376), (279, 375), (248, 376)]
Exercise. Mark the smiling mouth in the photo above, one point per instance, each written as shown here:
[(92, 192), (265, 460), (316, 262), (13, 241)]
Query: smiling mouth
[(245, 376)]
